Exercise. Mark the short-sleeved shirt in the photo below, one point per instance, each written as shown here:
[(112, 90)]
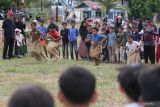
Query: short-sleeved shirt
[(131, 47), (119, 39), (125, 38), (97, 38), (19, 39), (35, 34), (54, 34), (43, 31), (111, 39), (9, 29), (89, 35)]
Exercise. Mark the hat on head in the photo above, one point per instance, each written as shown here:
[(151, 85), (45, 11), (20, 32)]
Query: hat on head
[(10, 13), (17, 30)]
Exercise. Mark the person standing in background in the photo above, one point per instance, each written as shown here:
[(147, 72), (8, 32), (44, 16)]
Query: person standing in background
[(82, 47), (149, 39), (72, 36), (118, 23), (52, 21), (8, 35), (65, 41), (111, 44), (42, 29), (21, 25)]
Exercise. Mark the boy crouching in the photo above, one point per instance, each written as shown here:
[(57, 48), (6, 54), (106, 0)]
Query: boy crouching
[(54, 43)]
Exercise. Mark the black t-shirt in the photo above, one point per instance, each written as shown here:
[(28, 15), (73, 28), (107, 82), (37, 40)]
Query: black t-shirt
[(64, 34), (21, 26), (9, 29)]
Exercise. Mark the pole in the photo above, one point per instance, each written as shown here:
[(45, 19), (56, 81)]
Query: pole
[(57, 11), (122, 2), (41, 6)]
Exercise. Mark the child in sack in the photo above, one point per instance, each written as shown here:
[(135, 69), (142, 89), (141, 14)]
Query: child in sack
[(133, 48), (54, 43), (20, 46), (37, 49), (96, 46)]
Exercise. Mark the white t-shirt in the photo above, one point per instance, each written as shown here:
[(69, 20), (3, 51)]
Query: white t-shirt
[(134, 105), (19, 39), (131, 47)]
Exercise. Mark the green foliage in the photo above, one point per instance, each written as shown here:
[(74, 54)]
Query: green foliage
[(6, 4), (143, 8), (106, 4)]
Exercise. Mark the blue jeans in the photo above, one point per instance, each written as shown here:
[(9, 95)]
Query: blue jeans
[(73, 46)]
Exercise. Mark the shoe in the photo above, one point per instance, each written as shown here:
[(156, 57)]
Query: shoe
[(5, 58)]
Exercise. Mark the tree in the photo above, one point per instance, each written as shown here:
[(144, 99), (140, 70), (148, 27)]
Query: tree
[(106, 4), (143, 8), (5, 4)]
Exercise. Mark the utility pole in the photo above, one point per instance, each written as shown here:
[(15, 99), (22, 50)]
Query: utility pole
[(122, 2), (41, 6), (57, 11)]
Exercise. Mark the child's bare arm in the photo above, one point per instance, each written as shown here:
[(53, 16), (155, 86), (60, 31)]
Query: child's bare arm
[(93, 43), (103, 40)]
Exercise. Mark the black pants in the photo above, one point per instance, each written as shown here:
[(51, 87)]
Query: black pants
[(16, 49), (149, 52), (8, 43), (105, 54), (65, 50)]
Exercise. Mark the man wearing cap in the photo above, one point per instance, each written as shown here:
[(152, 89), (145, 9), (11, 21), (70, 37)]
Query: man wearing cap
[(149, 42), (8, 35), (52, 21)]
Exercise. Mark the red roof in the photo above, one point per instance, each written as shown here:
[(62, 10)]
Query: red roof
[(93, 5)]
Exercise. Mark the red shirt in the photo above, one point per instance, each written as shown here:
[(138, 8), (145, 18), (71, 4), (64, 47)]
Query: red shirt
[(54, 34)]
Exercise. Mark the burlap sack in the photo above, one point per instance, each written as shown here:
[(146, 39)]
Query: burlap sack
[(133, 58), (53, 49), (95, 51)]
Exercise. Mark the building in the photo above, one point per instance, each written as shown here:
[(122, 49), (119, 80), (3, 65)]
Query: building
[(91, 9)]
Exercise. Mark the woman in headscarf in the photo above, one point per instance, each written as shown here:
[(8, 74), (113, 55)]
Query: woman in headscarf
[(118, 23), (82, 47), (139, 24)]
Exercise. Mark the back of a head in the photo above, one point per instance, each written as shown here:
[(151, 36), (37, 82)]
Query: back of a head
[(31, 96), (150, 84), (78, 85), (52, 26), (128, 80)]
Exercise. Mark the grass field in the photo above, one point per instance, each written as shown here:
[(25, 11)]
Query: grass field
[(18, 72)]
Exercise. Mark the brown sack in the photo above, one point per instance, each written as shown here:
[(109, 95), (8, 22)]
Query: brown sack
[(133, 58), (96, 51)]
